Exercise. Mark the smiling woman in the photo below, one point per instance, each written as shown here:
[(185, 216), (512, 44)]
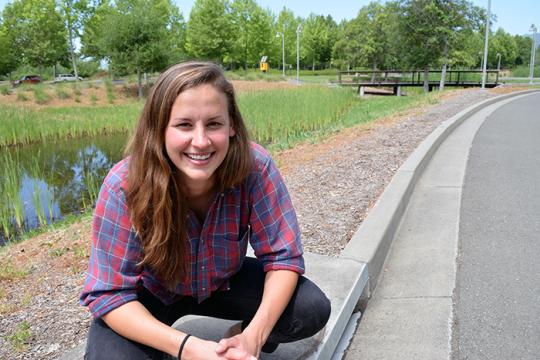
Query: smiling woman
[(171, 228), (197, 138)]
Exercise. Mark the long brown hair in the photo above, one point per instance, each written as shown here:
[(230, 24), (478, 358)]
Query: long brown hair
[(154, 196)]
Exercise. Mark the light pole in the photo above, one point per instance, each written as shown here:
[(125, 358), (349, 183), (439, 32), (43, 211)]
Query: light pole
[(298, 32), (278, 34), (499, 62), (533, 48), (484, 67)]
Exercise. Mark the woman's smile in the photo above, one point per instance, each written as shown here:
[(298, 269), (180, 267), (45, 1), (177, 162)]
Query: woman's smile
[(197, 136)]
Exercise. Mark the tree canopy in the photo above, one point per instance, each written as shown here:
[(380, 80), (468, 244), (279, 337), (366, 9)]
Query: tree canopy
[(135, 36)]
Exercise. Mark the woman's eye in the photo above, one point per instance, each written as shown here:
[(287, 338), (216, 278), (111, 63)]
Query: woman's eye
[(214, 124), (183, 125)]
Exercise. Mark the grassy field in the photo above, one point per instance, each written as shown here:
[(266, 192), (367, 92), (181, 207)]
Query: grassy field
[(273, 116)]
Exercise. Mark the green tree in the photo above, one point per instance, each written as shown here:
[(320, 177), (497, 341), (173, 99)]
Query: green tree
[(341, 56), (469, 52), (523, 49), (254, 32), (318, 37), (504, 44), (93, 24), (208, 33), (287, 24), (460, 16), (425, 30), (369, 40), (137, 36), (8, 60), (73, 13), (38, 32)]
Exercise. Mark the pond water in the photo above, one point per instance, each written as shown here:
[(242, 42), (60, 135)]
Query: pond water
[(42, 183)]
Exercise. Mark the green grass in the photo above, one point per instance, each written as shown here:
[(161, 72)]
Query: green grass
[(21, 337), (10, 272), (283, 115), (5, 90), (525, 71), (21, 96), (23, 125), (110, 91), (11, 206), (61, 92), (273, 116), (40, 96)]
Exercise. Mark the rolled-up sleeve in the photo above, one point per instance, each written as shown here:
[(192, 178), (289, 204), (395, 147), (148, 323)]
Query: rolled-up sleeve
[(275, 234), (113, 274)]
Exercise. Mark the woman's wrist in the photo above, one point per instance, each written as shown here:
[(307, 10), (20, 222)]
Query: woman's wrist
[(182, 345), (256, 336)]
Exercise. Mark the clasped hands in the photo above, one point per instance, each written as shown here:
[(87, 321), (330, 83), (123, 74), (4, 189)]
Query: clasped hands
[(238, 347)]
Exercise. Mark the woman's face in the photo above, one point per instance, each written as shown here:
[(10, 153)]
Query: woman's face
[(197, 136)]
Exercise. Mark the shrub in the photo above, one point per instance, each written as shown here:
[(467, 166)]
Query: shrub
[(5, 90), (76, 90), (40, 96), (21, 96), (61, 93)]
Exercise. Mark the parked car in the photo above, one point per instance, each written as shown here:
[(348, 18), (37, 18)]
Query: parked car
[(27, 79), (66, 77)]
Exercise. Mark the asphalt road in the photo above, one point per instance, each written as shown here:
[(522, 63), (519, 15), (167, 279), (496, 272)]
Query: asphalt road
[(497, 298)]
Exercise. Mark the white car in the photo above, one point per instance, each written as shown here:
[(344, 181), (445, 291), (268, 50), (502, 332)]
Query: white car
[(66, 77)]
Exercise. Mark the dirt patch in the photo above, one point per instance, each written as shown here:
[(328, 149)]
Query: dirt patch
[(247, 86), (506, 89), (94, 93)]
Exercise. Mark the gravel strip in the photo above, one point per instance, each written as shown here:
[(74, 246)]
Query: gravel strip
[(333, 185), (332, 192)]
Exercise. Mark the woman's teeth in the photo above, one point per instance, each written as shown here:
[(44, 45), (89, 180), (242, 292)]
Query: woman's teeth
[(199, 156)]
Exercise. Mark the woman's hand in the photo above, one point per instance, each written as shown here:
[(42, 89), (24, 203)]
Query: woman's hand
[(200, 349), (238, 347)]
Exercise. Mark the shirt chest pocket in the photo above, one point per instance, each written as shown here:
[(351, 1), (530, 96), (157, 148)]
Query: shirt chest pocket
[(229, 252)]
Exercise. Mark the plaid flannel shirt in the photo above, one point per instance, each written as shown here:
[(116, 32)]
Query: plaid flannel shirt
[(258, 211)]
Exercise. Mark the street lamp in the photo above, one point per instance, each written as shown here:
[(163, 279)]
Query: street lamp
[(499, 62), (484, 67), (298, 32), (278, 34), (533, 48)]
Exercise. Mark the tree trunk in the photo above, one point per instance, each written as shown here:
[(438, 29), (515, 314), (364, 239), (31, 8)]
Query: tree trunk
[(426, 78), (443, 72), (139, 84), (373, 73), (72, 51)]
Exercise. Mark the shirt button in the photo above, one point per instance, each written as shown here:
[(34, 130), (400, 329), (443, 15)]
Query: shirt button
[(203, 289), (202, 267), (222, 194)]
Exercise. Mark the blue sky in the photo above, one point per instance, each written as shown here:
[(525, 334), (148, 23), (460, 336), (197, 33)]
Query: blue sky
[(514, 16)]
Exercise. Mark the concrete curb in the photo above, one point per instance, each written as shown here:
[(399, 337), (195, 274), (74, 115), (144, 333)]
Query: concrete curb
[(372, 241)]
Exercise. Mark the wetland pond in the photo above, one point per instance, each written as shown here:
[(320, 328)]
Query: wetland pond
[(44, 182)]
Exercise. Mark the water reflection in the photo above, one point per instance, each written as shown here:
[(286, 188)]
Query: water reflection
[(43, 182)]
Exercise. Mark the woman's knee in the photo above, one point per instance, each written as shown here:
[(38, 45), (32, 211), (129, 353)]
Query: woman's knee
[(307, 313), (313, 306)]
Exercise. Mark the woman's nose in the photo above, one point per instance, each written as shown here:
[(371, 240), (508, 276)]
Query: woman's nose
[(200, 137)]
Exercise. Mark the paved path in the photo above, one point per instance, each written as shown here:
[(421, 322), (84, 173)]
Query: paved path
[(498, 278), (411, 313)]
